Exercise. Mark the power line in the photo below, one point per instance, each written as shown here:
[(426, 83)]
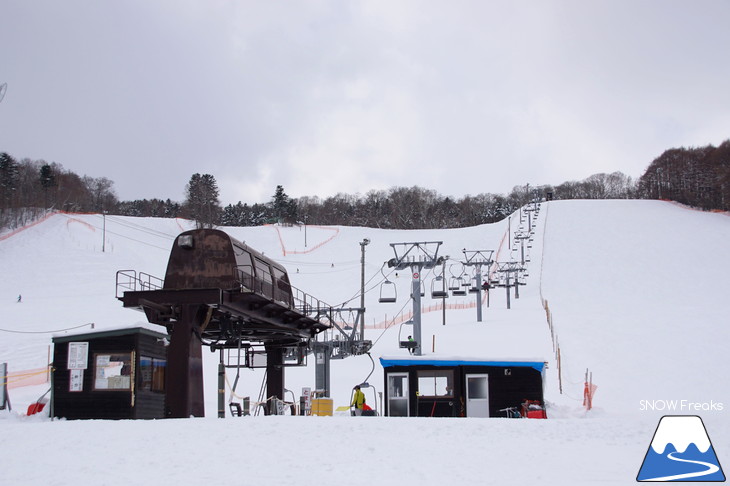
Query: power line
[(46, 332)]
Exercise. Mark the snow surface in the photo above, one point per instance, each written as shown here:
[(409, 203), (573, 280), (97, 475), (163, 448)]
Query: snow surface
[(638, 293)]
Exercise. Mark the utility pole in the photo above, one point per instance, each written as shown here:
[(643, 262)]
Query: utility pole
[(477, 258), (416, 256), (509, 232), (363, 244), (103, 232)]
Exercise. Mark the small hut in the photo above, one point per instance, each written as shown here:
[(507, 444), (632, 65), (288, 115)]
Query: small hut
[(431, 386), (110, 374)]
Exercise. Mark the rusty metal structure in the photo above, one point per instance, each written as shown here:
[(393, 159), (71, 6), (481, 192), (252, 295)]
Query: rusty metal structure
[(221, 293)]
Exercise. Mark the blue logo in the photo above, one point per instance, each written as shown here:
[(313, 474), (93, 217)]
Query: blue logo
[(681, 451)]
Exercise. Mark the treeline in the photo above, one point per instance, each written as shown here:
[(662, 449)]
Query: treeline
[(419, 208), (396, 208), (30, 187), (698, 177)]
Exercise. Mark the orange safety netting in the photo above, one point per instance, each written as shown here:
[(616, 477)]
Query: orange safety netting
[(17, 379)]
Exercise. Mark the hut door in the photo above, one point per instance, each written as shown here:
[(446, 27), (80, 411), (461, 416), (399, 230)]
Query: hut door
[(398, 394), (477, 395)]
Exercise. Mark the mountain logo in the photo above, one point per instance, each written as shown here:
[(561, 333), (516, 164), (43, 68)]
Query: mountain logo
[(680, 451)]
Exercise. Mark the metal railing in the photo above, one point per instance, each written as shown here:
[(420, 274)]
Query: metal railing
[(280, 291), (266, 285), (130, 280)]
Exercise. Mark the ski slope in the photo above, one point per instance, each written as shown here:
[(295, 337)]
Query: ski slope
[(637, 291)]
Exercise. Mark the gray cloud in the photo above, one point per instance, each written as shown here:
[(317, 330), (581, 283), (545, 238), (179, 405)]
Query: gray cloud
[(330, 96)]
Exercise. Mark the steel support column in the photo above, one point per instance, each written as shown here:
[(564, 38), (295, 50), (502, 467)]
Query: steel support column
[(184, 374), (274, 376)]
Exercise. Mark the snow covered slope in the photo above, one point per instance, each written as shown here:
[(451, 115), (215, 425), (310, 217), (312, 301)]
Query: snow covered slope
[(637, 290)]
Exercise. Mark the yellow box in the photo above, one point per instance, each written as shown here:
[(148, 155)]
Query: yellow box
[(322, 407)]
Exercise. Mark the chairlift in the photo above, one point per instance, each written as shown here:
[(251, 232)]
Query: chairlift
[(455, 282), (409, 343), (388, 292), (438, 288), (474, 286), (460, 289)]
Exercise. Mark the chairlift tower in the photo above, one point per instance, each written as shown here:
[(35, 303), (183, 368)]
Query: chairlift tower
[(343, 343), (521, 237), (511, 271), (476, 259), (533, 207), (417, 256)]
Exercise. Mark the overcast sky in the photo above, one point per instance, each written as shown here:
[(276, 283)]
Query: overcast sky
[(463, 97)]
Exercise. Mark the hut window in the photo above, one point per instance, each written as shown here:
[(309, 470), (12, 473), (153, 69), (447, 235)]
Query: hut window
[(113, 371), (435, 383), (152, 371)]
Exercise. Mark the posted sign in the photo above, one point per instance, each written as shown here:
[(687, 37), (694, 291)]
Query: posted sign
[(78, 356)]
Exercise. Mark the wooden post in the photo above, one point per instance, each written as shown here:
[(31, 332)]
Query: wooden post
[(560, 372)]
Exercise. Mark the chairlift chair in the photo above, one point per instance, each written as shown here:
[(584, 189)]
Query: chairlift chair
[(388, 292), (461, 288), (455, 282), (438, 288)]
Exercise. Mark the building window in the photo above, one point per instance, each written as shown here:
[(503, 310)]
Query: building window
[(436, 383), (152, 371), (113, 371)]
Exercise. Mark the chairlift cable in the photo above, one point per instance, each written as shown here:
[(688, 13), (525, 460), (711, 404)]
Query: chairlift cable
[(392, 322), (371, 371), (126, 237), (371, 288), (124, 222), (46, 332), (261, 392)]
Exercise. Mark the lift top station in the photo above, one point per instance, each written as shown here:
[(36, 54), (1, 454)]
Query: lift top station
[(417, 256), (223, 294)]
